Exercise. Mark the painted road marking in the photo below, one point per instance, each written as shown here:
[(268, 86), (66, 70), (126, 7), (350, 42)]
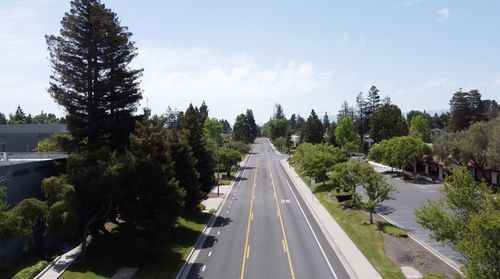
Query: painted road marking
[(248, 252), (218, 233), (284, 247), (281, 222), (251, 217), (314, 234), (247, 247), (203, 268), (285, 201), (210, 253)]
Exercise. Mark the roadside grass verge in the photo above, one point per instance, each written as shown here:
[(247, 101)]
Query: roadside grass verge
[(392, 230), (366, 237), (120, 249), (24, 269)]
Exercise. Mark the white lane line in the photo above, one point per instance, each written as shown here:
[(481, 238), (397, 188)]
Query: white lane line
[(218, 233), (227, 211), (312, 231), (203, 268), (229, 207), (231, 202), (210, 253)]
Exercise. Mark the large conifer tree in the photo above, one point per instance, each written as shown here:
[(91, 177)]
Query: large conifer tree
[(91, 77)]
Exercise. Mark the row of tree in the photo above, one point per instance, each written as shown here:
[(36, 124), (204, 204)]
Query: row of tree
[(19, 117)]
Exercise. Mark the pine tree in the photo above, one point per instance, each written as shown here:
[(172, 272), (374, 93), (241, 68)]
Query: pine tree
[(18, 117), (312, 131), (388, 122), (205, 163), (3, 119), (345, 111), (300, 122), (278, 112), (252, 126), (293, 122), (361, 119), (91, 77), (203, 112), (326, 122), (372, 102)]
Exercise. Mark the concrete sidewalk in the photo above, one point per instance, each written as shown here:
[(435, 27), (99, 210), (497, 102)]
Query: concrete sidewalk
[(356, 264), (57, 267)]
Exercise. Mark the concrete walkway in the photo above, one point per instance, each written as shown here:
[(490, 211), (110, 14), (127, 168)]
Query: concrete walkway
[(59, 265), (356, 264)]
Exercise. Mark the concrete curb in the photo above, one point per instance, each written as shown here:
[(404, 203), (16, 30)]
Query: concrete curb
[(64, 260), (355, 263), (193, 255)]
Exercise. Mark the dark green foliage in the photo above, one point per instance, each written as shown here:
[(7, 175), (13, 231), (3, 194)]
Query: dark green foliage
[(63, 215), (300, 122), (346, 136), (362, 117), (387, 122), (45, 118), (228, 157), (173, 119), (419, 128), (345, 111), (252, 126), (203, 112), (277, 126), (373, 103), (465, 109), (241, 129), (292, 122), (414, 113), (3, 119), (205, 163), (185, 169), (312, 131), (226, 127), (316, 160), (154, 199), (18, 117), (91, 77), (19, 221), (239, 146), (468, 218), (56, 143), (325, 124)]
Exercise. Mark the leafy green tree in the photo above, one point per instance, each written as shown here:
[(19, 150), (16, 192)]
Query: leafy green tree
[(350, 175), (410, 115), (407, 151), (346, 136), (329, 135), (280, 143), (318, 159), (278, 112), (382, 152), (387, 122), (475, 146), (312, 131), (345, 111), (19, 221), (226, 127), (63, 215), (56, 143), (213, 130), (205, 163), (419, 128), (239, 146), (468, 218), (300, 122), (228, 158), (91, 75), (326, 122), (292, 122), (361, 115), (45, 118)]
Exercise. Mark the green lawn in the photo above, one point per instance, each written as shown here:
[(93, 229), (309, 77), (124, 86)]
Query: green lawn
[(367, 238), (24, 269), (118, 250)]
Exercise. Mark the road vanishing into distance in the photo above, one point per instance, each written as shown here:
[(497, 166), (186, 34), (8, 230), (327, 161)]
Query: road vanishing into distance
[(264, 229)]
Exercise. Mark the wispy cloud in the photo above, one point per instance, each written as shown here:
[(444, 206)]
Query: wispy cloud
[(228, 81), (410, 3), (443, 15), (355, 43), (438, 82)]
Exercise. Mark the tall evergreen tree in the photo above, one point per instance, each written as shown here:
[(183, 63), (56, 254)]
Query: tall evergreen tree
[(203, 112), (300, 122), (91, 77), (19, 117), (241, 128), (205, 163), (373, 101), (326, 122), (361, 119), (3, 119), (465, 109), (293, 122), (278, 112), (252, 126), (345, 111), (312, 131)]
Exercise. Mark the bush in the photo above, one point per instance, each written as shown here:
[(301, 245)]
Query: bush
[(392, 230), (31, 271), (212, 210)]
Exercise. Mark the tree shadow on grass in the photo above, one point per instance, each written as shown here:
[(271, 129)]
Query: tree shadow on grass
[(157, 259)]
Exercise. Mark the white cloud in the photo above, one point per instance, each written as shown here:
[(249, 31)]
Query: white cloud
[(496, 83), (228, 81), (438, 82), (410, 3), (443, 15)]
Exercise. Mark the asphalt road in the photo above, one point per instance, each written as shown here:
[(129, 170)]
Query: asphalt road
[(265, 230), (401, 210)]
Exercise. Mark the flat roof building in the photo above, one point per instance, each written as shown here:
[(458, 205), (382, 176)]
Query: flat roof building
[(25, 137)]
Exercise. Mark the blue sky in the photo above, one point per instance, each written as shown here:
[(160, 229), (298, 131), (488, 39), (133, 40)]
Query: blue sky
[(252, 54)]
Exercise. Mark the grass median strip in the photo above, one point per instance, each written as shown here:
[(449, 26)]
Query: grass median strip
[(105, 257), (366, 237)]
